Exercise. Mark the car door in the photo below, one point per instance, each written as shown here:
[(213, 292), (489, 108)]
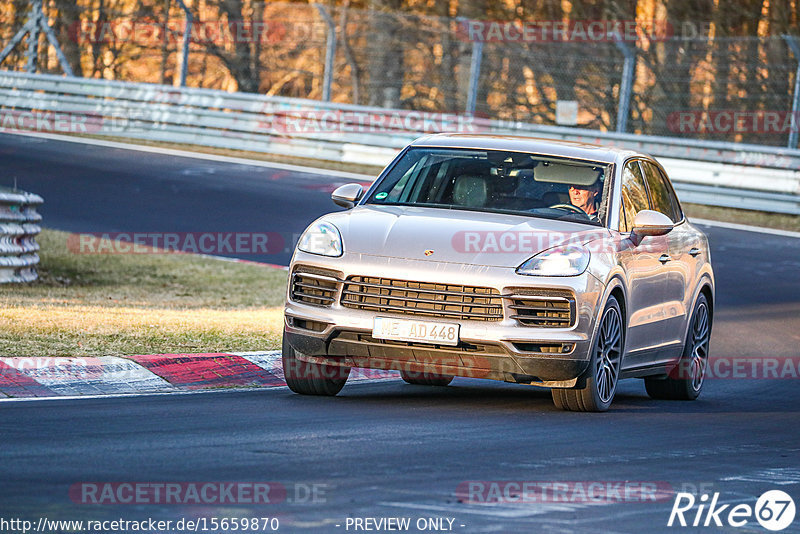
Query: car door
[(677, 262), (645, 274)]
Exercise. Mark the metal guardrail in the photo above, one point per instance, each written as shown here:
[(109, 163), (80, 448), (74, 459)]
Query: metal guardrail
[(724, 174), (18, 230), (735, 186), (713, 184)]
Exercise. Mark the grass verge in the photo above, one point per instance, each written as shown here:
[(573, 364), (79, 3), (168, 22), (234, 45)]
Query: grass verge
[(102, 305), (780, 221)]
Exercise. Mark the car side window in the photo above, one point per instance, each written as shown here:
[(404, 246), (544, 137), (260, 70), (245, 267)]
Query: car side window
[(661, 196), (677, 212), (634, 195)]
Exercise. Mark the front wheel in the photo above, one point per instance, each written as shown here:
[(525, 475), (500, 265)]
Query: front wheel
[(685, 380), (603, 374), (309, 378)]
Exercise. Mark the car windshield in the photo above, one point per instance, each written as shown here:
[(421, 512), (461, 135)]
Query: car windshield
[(497, 181)]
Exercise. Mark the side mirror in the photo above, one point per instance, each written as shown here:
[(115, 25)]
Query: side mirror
[(347, 195), (651, 223)]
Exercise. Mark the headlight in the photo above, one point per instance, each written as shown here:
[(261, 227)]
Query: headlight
[(565, 260), (321, 238)]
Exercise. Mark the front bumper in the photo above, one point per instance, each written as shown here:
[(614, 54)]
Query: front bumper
[(500, 350)]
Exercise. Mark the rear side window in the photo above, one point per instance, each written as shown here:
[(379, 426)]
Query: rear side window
[(634, 195), (662, 197), (677, 212)]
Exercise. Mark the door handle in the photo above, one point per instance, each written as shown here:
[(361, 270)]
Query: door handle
[(694, 252), (664, 258)]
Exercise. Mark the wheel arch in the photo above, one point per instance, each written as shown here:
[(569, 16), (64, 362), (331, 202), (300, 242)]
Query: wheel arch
[(618, 293), (704, 287), (614, 287)]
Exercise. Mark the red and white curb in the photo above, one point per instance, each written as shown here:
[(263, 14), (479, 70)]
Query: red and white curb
[(154, 373)]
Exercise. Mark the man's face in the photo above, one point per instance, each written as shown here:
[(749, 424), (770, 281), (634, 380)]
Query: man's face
[(583, 196)]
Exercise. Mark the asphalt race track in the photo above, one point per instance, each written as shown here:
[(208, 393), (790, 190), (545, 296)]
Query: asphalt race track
[(387, 449), (96, 189)]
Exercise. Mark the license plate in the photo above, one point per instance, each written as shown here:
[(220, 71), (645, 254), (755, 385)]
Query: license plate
[(408, 330)]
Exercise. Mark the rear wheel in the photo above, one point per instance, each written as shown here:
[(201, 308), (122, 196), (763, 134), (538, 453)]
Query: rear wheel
[(603, 374), (309, 378), (426, 379), (686, 380)]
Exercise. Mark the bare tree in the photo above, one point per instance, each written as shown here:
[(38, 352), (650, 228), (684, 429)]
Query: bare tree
[(386, 60), (239, 61)]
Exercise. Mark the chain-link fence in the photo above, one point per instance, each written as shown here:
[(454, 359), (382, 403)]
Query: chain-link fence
[(727, 89), (525, 82)]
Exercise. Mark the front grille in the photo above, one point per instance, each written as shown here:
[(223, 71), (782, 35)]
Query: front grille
[(450, 301), (317, 287), (544, 309)]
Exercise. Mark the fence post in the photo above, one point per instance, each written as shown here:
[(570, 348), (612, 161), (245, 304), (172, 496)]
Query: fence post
[(474, 75), (51, 36), (33, 36), (35, 23), (187, 35), (626, 84), (330, 52), (793, 131)]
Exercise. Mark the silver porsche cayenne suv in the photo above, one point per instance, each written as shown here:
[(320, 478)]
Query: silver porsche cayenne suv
[(555, 264)]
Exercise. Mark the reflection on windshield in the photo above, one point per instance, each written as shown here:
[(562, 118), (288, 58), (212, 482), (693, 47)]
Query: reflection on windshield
[(497, 181)]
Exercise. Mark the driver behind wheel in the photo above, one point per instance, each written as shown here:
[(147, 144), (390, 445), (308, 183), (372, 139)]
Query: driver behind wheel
[(586, 197)]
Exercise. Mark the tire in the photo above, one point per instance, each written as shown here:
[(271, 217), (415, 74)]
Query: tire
[(685, 381), (605, 362), (308, 378), (426, 379)]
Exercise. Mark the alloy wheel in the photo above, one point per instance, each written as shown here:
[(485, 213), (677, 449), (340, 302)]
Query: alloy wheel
[(699, 354), (608, 352)]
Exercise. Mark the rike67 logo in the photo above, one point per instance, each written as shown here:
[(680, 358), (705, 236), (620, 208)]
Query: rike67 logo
[(774, 510)]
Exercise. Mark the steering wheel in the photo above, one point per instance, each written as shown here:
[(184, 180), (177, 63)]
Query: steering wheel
[(570, 207)]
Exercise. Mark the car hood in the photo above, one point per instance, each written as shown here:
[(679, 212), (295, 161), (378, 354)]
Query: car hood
[(456, 236)]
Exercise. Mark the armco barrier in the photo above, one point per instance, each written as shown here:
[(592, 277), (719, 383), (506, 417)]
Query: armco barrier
[(714, 173), (698, 182), (18, 229)]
